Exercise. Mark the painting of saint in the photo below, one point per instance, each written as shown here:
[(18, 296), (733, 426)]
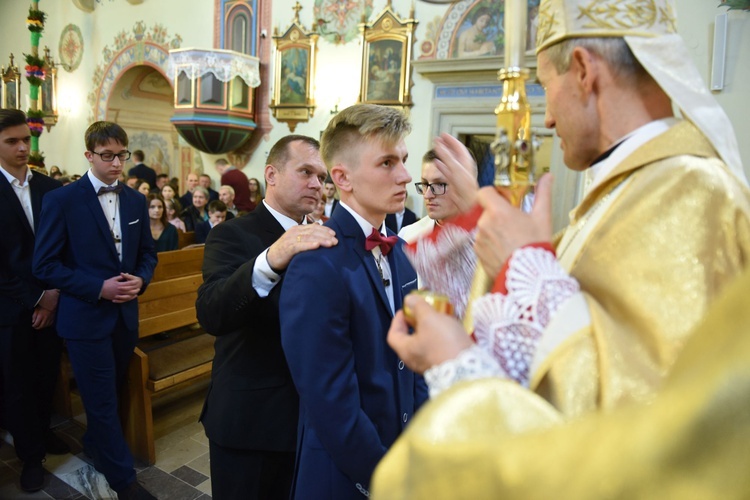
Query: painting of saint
[(293, 83), (480, 33), (384, 70)]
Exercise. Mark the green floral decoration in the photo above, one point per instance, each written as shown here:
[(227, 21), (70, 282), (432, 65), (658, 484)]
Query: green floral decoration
[(36, 159), (35, 21), (736, 4), (35, 72)]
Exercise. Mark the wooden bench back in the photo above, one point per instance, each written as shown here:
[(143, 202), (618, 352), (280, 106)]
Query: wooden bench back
[(169, 301)]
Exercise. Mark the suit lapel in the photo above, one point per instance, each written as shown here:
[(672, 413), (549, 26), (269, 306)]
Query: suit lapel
[(91, 200), (356, 240), (12, 200)]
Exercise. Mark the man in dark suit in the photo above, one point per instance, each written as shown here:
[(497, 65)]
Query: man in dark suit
[(94, 243), (329, 189), (205, 181), (250, 414), (338, 303), (29, 346), (396, 222), (142, 171)]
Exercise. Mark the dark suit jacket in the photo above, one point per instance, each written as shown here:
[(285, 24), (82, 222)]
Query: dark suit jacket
[(391, 222), (144, 172), (201, 231), (19, 289), (75, 252), (251, 403), (355, 394)]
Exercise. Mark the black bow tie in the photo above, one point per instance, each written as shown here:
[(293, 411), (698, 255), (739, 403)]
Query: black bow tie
[(110, 189)]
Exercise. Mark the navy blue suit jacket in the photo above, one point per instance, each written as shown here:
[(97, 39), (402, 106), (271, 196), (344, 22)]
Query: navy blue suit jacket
[(75, 252), (356, 396), (19, 289)]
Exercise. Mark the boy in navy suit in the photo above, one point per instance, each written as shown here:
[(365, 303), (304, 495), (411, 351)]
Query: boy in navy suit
[(337, 304), (94, 244)]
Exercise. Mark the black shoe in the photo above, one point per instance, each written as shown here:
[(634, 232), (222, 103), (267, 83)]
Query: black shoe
[(134, 491), (32, 476), (54, 445)]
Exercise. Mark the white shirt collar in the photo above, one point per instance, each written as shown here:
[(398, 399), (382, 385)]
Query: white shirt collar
[(628, 145), (12, 179), (366, 226), (286, 222), (97, 183)]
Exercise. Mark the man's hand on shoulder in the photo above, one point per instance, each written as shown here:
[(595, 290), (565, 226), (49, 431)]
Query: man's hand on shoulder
[(299, 239)]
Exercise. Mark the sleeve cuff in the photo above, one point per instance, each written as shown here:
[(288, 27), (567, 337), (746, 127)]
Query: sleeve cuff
[(499, 285)]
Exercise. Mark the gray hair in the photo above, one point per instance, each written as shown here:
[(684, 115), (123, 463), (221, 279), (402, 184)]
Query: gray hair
[(613, 50)]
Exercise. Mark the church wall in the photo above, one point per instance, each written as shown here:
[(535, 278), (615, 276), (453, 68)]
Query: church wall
[(338, 70)]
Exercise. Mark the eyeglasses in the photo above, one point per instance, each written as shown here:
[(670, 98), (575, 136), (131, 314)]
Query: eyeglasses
[(437, 188), (124, 156)]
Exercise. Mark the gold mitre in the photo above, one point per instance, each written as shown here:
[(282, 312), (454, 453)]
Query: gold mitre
[(561, 19)]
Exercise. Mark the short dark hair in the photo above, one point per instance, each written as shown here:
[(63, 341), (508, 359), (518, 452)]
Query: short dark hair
[(217, 206), (163, 176), (138, 155), (100, 133), (280, 151), (11, 118)]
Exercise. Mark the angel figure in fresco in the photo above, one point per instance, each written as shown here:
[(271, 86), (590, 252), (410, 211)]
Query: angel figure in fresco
[(477, 39)]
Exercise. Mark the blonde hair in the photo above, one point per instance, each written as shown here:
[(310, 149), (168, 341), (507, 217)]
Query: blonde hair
[(361, 121)]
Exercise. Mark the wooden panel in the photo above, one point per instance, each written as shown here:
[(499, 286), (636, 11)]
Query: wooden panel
[(165, 383), (178, 263), (161, 289), (185, 239)]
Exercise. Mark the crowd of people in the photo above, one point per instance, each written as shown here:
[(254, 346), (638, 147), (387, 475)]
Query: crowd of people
[(593, 354)]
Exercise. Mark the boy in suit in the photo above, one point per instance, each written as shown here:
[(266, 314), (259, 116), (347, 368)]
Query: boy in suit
[(217, 213), (355, 394), (94, 243), (29, 346), (251, 409)]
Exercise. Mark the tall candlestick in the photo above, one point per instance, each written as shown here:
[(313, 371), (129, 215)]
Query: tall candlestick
[(515, 32)]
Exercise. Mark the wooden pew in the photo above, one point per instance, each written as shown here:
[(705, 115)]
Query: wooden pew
[(164, 362)]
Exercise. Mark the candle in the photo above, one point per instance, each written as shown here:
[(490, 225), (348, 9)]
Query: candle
[(515, 32)]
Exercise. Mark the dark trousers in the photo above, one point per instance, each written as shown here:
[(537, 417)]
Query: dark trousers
[(30, 363), (250, 474), (100, 367)]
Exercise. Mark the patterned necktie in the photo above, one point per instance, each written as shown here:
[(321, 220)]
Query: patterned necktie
[(110, 189), (376, 239)]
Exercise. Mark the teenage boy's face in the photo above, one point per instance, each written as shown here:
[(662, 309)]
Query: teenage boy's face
[(217, 217), (377, 184), (107, 171)]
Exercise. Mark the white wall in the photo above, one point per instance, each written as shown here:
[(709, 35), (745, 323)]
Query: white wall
[(337, 79)]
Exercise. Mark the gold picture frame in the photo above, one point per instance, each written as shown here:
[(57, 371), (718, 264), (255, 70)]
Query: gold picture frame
[(294, 73), (386, 59), (11, 86)]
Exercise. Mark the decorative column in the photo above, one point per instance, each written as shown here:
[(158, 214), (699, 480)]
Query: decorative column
[(35, 73)]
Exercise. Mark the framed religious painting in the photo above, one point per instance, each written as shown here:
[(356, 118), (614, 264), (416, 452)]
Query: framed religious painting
[(294, 74), (11, 87), (386, 59)]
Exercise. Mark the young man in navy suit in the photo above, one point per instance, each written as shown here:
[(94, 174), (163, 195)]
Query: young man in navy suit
[(337, 304), (94, 244), (29, 346)]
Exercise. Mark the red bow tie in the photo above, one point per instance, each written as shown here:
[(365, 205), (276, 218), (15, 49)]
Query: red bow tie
[(376, 239)]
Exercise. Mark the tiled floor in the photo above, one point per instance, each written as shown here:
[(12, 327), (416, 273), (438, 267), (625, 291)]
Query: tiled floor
[(181, 471)]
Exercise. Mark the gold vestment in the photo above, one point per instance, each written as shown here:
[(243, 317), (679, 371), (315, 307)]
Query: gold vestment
[(691, 441), (675, 233)]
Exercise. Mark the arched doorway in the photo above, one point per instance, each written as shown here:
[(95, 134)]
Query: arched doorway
[(141, 101)]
